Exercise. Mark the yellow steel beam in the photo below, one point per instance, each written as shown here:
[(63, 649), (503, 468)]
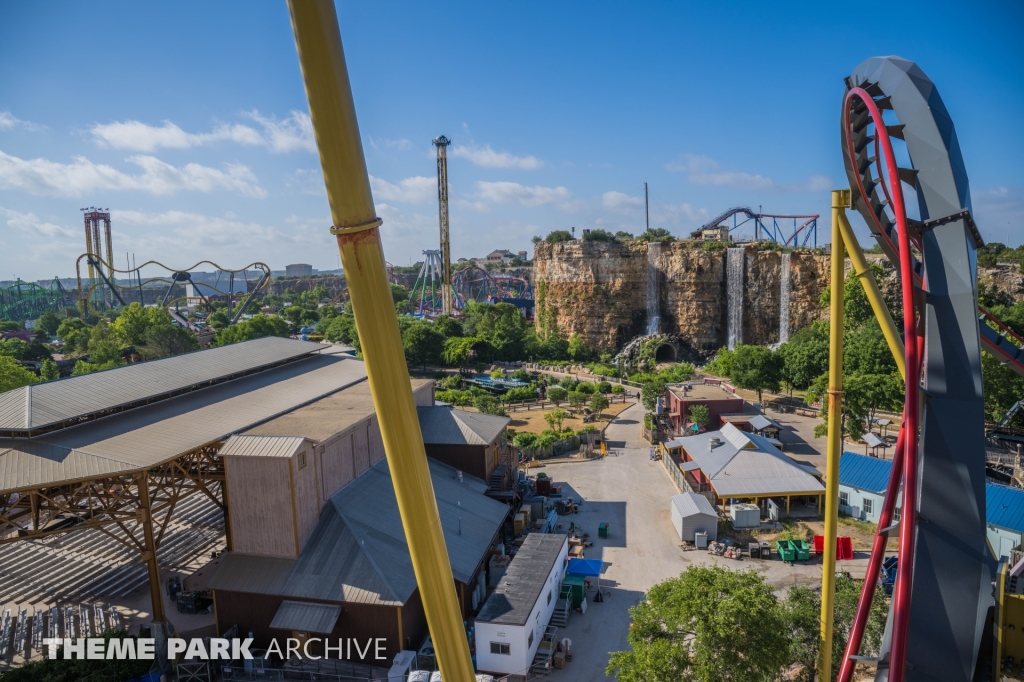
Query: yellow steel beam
[(867, 280), (840, 200), (332, 110)]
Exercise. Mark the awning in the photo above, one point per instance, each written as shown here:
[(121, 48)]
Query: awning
[(874, 441), (303, 616), (585, 567)]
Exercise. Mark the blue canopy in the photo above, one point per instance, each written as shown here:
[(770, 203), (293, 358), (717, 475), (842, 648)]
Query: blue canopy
[(586, 567)]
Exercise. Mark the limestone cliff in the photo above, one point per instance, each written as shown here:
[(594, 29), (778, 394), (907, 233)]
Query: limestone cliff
[(600, 291)]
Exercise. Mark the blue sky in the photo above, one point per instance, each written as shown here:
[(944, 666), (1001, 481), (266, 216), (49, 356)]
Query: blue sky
[(188, 119)]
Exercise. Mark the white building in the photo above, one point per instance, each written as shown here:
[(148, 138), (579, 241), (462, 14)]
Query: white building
[(511, 623), (692, 513), (298, 270), (862, 484)]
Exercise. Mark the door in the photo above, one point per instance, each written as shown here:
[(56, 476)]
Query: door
[(1005, 545)]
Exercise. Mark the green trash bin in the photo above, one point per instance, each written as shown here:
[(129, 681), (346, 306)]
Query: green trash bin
[(602, 530), (576, 586), (803, 550), (786, 550)]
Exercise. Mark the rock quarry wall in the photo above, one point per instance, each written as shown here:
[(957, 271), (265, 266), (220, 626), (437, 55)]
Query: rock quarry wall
[(600, 291)]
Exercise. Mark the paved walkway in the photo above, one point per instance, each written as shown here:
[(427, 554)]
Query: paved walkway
[(631, 493)]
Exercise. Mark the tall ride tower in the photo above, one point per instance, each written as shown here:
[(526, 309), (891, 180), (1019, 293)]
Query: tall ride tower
[(94, 243), (442, 142)]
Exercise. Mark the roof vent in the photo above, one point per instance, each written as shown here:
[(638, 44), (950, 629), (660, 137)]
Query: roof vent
[(715, 441)]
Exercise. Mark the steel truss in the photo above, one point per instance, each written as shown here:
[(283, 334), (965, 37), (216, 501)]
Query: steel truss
[(134, 508)]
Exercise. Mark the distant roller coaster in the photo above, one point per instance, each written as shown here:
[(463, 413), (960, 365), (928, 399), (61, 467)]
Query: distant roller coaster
[(768, 226), (112, 294), (27, 300), (476, 284)]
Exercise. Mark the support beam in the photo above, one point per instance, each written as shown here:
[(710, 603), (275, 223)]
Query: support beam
[(149, 555), (840, 200)]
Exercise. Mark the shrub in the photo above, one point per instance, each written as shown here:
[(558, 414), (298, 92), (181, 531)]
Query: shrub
[(558, 236), (617, 389), (605, 387)]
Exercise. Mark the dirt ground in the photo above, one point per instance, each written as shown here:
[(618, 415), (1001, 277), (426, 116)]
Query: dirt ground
[(532, 421)]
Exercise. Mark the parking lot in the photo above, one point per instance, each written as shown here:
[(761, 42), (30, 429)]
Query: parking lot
[(631, 493)]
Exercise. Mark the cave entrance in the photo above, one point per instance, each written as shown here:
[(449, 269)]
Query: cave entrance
[(665, 353)]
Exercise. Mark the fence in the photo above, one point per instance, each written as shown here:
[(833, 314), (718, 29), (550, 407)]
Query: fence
[(679, 477)]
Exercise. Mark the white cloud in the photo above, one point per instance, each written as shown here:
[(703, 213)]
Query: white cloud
[(52, 178), (514, 193), (401, 145), (999, 211), (488, 158), (702, 170), (308, 181), (37, 248), (289, 134), (660, 213), (415, 190), (8, 122)]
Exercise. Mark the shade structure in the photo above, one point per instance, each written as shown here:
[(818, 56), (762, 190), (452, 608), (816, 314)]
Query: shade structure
[(584, 567)]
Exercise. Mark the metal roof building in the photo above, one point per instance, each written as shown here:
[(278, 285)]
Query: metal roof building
[(446, 426), (739, 465)]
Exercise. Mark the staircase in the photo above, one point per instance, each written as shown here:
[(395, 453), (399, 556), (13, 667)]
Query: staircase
[(563, 607), (545, 650)]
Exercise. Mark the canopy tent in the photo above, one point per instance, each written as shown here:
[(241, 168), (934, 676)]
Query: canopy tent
[(588, 568)]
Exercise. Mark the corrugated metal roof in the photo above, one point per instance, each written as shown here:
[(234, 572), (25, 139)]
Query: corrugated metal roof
[(357, 551), (760, 422), (147, 436), (445, 426), (746, 464), (53, 402), (865, 473), (689, 504), (874, 441), (1004, 506), (304, 616), (261, 446), (521, 587)]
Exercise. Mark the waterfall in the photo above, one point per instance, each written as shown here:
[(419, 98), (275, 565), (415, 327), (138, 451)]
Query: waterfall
[(653, 316), (734, 294), (784, 298)]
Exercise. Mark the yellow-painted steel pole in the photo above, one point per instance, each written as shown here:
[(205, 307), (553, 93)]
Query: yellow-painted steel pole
[(840, 200), (322, 60), (867, 280)]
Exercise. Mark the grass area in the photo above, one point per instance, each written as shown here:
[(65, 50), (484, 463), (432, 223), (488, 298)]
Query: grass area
[(532, 421), (792, 529)]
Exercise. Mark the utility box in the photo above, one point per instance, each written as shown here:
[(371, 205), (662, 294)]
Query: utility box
[(745, 515), (700, 540)]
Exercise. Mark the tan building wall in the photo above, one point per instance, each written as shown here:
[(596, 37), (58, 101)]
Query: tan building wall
[(307, 492), (260, 498)]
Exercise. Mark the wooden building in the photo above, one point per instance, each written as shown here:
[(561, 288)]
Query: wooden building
[(469, 441), (717, 399)]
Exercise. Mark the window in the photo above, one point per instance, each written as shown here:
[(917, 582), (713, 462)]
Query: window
[(502, 648), (302, 460), (896, 514), (868, 504), (844, 499), (549, 596), (529, 641)]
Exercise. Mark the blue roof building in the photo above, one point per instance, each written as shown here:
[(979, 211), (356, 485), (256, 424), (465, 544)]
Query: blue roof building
[(862, 484)]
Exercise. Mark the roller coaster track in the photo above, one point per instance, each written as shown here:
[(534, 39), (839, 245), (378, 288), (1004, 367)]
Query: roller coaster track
[(944, 575), (774, 233), (177, 277)]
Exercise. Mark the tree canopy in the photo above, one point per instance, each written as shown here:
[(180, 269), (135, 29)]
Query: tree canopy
[(756, 368), (256, 327)]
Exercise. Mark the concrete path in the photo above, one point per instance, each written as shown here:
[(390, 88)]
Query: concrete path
[(631, 493)]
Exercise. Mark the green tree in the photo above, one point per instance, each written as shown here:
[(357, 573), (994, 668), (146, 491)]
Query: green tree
[(219, 319), (710, 624), (1003, 388), (618, 389), (49, 371), (423, 344), (49, 322), (604, 387), (558, 236), (655, 234), (399, 293), (13, 375), (488, 404), (598, 403), (555, 417), (341, 328), (805, 355), (75, 335), (459, 351), (256, 327), (721, 364), (134, 322), (700, 415), (650, 391), (578, 350), (577, 399), (586, 387), (556, 394), (521, 393), (803, 613), (756, 368), (448, 327), (13, 348), (169, 339)]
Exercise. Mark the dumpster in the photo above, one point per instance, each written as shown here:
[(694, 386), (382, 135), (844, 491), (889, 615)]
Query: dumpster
[(766, 549), (754, 550), (803, 550), (786, 550), (602, 530), (576, 586)]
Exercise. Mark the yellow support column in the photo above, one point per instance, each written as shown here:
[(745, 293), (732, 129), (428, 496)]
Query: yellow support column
[(840, 200), (867, 280), (332, 110)]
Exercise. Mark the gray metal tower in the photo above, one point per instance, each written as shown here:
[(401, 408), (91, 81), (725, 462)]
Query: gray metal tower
[(442, 142)]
